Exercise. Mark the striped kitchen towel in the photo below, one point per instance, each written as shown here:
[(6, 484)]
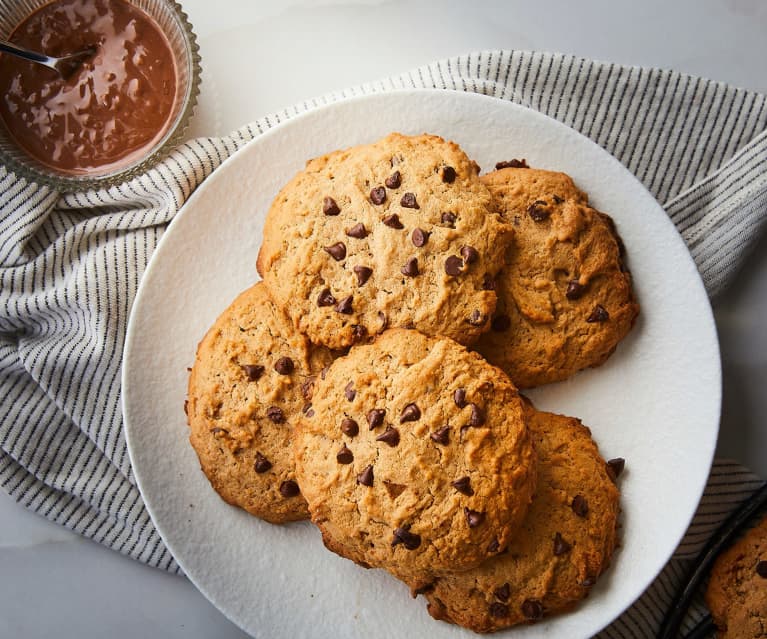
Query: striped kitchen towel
[(70, 267)]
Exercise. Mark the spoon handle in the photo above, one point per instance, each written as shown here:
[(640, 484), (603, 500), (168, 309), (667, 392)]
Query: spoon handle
[(7, 47)]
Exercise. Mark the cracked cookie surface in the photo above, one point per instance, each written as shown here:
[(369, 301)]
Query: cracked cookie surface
[(415, 455), (398, 233), (565, 542), (565, 298), (737, 589), (251, 378)]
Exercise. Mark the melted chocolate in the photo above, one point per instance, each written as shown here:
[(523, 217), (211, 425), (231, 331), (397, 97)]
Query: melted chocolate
[(112, 109)]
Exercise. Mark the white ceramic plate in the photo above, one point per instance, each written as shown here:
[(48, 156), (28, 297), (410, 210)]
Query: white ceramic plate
[(656, 402)]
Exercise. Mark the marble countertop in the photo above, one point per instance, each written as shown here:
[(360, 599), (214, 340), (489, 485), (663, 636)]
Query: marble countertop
[(259, 56)]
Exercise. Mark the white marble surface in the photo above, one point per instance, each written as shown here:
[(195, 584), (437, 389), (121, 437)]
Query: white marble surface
[(260, 55)]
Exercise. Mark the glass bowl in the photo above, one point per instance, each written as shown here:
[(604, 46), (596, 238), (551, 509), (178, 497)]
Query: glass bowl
[(173, 22)]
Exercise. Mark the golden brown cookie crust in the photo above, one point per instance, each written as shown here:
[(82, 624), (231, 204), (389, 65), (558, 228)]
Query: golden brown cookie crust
[(565, 542), (244, 398), (392, 234), (737, 589), (565, 298), (440, 479)]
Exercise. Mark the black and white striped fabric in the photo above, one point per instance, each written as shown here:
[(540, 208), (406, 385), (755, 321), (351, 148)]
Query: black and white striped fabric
[(70, 268)]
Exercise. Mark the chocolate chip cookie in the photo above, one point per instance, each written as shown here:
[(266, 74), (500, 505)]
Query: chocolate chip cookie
[(252, 377), (565, 298), (415, 455), (565, 543), (737, 589), (398, 233)]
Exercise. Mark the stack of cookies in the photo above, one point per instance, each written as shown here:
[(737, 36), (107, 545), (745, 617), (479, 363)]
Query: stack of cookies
[(370, 381)]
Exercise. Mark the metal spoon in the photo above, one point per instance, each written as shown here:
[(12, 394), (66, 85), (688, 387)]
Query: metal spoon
[(65, 65)]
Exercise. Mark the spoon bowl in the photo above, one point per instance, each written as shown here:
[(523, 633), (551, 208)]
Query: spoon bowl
[(64, 65)]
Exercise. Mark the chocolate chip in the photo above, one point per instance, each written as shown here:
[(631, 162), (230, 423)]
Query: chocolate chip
[(498, 610), (537, 212), (358, 231), (761, 569), (557, 199), (441, 436), (477, 318), (473, 517), (378, 195), (459, 397), (325, 298), (366, 476), (359, 332), (376, 417), (422, 590), (477, 418), (349, 427), (389, 436), (448, 219), (512, 164), (253, 371), (493, 546), (580, 506), (337, 251), (289, 488), (394, 180), (410, 413), (469, 254), (501, 323), (349, 392), (329, 206), (403, 536), (532, 609), (615, 467), (409, 202), (345, 306), (275, 414), (307, 410), (599, 314), (419, 237), (503, 592), (575, 290), (344, 456), (463, 485), (488, 282), (384, 321), (324, 371), (411, 267), (448, 174), (453, 265), (560, 545), (262, 464), (394, 490), (284, 366), (392, 221), (363, 274), (486, 387), (307, 387), (216, 431)]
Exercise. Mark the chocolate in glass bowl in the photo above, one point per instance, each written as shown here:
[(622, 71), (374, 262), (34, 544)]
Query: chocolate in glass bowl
[(120, 112)]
